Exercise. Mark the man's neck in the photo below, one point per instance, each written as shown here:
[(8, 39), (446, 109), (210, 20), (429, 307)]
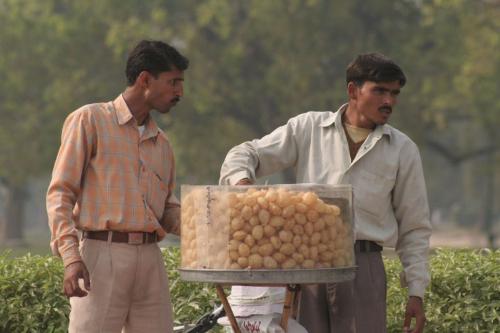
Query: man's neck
[(136, 105), (354, 118)]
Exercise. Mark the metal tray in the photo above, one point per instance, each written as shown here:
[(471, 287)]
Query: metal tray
[(269, 277)]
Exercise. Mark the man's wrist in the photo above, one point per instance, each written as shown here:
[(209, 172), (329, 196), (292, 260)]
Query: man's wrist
[(237, 176), (72, 263), (71, 258), (244, 181)]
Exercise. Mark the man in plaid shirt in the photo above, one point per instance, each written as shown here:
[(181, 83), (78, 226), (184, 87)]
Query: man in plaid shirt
[(111, 200)]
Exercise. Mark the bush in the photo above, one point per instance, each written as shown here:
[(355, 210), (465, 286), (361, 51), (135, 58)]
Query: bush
[(190, 300), (31, 299), (30, 295), (464, 295)]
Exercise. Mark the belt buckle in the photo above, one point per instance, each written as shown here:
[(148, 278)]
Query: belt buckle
[(135, 238)]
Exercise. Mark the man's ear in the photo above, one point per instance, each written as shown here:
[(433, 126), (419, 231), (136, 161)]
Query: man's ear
[(143, 79), (352, 90)]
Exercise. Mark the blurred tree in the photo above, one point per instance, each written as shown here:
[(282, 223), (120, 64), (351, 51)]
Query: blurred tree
[(33, 85), (263, 62), (457, 72), (254, 64), (258, 63), (56, 56)]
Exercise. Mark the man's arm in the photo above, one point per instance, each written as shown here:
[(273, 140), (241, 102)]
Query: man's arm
[(73, 157), (414, 230), (171, 219), (261, 157)]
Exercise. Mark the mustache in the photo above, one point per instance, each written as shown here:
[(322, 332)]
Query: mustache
[(176, 99), (385, 108)]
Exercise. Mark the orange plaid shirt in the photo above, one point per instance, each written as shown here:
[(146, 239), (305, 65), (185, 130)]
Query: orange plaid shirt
[(106, 177)]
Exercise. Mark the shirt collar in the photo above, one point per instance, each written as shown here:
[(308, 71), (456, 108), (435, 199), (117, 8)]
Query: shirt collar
[(124, 115), (336, 118)]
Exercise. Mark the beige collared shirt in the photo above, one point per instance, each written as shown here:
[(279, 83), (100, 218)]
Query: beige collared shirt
[(389, 192), (108, 177)]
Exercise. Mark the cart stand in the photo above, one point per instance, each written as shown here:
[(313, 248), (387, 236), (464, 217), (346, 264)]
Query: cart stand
[(291, 279)]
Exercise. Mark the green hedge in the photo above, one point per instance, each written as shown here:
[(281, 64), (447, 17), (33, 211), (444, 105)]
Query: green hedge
[(30, 295), (464, 295)]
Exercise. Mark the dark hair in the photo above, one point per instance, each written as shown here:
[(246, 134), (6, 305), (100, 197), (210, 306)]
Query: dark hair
[(154, 57), (374, 67)]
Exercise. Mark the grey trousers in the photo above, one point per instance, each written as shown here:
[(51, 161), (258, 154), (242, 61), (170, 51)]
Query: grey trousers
[(357, 306)]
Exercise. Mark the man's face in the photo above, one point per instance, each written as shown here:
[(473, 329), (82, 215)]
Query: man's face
[(164, 91), (375, 101)]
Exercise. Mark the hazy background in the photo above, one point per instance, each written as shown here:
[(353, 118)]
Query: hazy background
[(254, 64)]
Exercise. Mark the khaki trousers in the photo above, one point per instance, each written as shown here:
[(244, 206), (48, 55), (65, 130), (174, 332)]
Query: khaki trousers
[(129, 290), (357, 306)]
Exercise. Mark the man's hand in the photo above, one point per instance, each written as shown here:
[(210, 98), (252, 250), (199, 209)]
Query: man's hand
[(72, 273), (244, 181), (414, 309)]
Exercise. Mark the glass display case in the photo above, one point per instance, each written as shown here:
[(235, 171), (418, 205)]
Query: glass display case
[(274, 227)]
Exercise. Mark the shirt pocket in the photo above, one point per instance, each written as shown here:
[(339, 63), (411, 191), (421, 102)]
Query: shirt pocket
[(372, 194), (157, 194)]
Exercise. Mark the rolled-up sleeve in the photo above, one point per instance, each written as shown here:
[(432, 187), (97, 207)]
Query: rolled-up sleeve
[(412, 213), (261, 157), (73, 156)]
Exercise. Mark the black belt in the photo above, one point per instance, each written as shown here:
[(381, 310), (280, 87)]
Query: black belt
[(366, 246), (134, 238)]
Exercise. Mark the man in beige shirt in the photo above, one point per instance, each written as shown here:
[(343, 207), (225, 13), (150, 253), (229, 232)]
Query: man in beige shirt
[(356, 146)]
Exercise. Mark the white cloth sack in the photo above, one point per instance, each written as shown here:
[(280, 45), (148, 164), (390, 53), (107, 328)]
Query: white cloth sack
[(258, 310), (247, 301)]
